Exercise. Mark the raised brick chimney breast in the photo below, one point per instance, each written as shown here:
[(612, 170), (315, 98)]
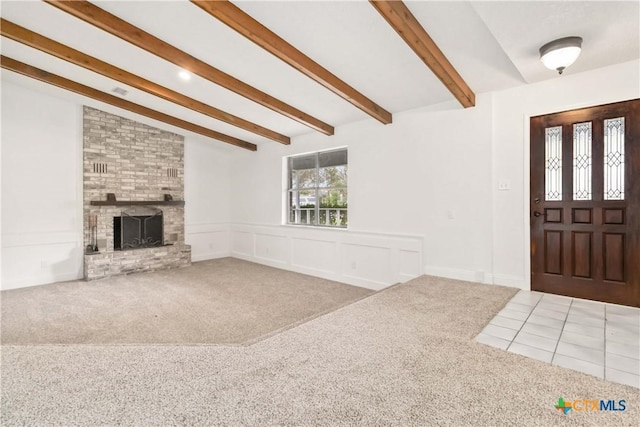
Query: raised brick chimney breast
[(143, 168)]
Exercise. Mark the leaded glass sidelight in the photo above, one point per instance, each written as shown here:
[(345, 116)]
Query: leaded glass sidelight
[(614, 159), (582, 161), (553, 163)]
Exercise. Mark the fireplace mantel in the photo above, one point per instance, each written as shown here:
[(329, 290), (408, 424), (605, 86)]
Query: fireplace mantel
[(137, 203)]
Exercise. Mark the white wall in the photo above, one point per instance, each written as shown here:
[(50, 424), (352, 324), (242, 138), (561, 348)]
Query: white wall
[(207, 195), (423, 191), (372, 260), (41, 188), (428, 175), (435, 174), (512, 110)]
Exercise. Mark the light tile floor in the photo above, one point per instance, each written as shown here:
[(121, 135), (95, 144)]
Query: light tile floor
[(587, 336)]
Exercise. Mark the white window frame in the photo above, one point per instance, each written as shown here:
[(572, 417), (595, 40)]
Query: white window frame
[(310, 216)]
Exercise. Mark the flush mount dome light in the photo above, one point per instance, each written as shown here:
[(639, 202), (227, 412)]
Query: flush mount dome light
[(559, 54)]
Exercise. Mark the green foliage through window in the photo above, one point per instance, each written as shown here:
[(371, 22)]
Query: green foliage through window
[(317, 189)]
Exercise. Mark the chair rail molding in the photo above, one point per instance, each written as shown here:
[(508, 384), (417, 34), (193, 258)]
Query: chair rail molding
[(371, 260)]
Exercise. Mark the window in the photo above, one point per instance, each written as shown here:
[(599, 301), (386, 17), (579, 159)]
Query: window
[(553, 163), (317, 189)]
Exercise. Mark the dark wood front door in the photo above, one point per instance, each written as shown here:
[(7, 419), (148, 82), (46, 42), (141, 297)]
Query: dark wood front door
[(585, 203)]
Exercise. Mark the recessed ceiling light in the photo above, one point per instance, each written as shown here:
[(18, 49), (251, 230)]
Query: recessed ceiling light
[(120, 91), (184, 75)]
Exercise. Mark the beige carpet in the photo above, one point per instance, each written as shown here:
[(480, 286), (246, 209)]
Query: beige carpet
[(224, 301), (401, 357)]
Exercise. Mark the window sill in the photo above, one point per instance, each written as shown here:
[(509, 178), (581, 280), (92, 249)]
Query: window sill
[(315, 227)]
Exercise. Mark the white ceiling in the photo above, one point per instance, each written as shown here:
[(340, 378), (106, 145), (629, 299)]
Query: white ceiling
[(493, 45), (610, 31)]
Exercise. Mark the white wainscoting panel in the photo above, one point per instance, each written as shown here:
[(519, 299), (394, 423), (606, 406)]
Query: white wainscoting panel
[(208, 241), (410, 263), (371, 260), (31, 259), (318, 255), (271, 248), (242, 244), (367, 263)]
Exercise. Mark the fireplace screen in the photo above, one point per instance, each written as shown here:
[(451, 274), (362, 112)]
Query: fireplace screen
[(139, 231)]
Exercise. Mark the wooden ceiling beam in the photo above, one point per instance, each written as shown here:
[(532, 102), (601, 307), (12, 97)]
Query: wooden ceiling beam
[(22, 35), (61, 82), (398, 15), (235, 18), (113, 25)]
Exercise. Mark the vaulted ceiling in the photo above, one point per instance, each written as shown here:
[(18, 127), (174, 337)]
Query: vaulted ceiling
[(266, 71)]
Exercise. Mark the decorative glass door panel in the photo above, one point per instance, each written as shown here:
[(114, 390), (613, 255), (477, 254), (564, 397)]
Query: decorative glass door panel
[(614, 159), (553, 162), (585, 203), (582, 161)]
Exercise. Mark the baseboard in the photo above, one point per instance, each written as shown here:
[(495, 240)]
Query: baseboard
[(349, 280), (370, 260), (458, 274), (38, 280), (406, 277), (208, 256), (511, 281), (472, 276)]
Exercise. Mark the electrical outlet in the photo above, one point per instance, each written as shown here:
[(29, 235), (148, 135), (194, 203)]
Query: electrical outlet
[(353, 265), (504, 185), (44, 264)]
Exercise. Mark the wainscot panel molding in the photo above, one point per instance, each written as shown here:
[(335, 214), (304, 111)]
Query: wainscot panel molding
[(36, 238), (208, 241), (31, 259), (370, 260)]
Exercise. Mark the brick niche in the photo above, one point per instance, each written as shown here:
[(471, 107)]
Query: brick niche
[(137, 163)]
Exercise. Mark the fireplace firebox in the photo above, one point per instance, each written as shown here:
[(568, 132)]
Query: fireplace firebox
[(137, 231)]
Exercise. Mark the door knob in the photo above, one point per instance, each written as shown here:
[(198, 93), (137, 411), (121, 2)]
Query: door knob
[(537, 214)]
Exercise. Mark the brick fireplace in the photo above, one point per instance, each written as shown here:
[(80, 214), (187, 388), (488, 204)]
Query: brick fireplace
[(133, 178)]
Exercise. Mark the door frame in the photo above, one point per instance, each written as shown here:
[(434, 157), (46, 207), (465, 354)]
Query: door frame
[(526, 207)]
